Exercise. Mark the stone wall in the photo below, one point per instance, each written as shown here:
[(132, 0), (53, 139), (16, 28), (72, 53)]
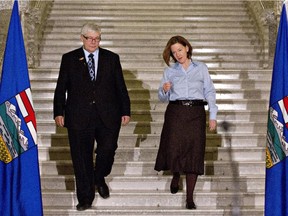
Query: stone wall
[(33, 18), (265, 15)]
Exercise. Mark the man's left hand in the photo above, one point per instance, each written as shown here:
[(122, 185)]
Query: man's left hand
[(125, 120)]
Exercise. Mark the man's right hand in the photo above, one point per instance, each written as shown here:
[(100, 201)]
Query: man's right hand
[(59, 121)]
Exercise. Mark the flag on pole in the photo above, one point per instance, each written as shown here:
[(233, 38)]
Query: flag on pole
[(276, 188), (19, 167)]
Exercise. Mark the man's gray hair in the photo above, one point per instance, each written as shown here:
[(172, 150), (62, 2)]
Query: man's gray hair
[(90, 27)]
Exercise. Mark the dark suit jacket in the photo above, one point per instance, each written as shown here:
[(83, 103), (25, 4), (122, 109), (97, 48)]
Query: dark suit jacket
[(109, 91)]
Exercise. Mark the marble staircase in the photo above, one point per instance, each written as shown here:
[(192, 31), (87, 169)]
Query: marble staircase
[(224, 37)]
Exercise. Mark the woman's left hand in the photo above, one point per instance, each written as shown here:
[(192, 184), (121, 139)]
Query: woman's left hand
[(212, 125)]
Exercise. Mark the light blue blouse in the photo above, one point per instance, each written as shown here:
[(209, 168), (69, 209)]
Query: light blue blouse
[(193, 84)]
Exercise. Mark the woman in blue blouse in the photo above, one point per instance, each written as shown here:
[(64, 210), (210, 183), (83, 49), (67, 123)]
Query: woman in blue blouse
[(187, 86)]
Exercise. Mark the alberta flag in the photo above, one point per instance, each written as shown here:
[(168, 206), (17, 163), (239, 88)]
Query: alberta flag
[(19, 166), (276, 189)]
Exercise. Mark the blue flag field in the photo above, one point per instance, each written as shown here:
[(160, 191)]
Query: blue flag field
[(19, 165), (276, 188)]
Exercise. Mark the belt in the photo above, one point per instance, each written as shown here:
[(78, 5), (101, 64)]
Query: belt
[(189, 102)]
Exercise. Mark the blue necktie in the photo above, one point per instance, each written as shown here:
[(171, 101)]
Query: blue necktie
[(91, 66)]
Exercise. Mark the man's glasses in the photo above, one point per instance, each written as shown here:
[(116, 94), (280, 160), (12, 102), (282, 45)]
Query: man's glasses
[(91, 39)]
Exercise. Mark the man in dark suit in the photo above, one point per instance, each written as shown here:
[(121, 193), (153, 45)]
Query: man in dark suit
[(91, 101)]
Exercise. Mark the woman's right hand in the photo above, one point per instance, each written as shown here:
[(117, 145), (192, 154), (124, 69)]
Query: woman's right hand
[(167, 86)]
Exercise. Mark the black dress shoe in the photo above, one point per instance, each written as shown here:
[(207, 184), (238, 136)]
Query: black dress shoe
[(83, 207), (190, 205), (103, 191)]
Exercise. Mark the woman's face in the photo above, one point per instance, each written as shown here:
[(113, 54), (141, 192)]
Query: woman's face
[(180, 52)]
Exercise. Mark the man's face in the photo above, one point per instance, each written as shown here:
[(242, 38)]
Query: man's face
[(91, 41)]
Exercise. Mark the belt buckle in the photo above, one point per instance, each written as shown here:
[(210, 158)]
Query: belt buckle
[(188, 103)]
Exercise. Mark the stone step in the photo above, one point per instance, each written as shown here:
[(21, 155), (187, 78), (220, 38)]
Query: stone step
[(224, 59), (156, 127), (156, 73), (129, 18), (215, 60), (155, 105), (152, 211), (156, 116), (214, 63), (145, 94), (137, 85), (73, 41), (143, 50), (163, 35), (145, 7), (236, 104), (141, 9), (152, 27), (151, 10), (142, 4), (142, 57), (133, 83), (44, 110), (140, 168), (161, 183), (149, 154), (204, 200), (160, 27), (237, 91), (154, 11), (234, 140), (115, 3), (227, 115), (219, 84), (204, 57)]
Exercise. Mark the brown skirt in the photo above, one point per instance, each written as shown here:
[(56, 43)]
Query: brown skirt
[(183, 140)]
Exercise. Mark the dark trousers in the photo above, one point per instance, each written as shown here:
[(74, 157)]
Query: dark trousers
[(82, 153)]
